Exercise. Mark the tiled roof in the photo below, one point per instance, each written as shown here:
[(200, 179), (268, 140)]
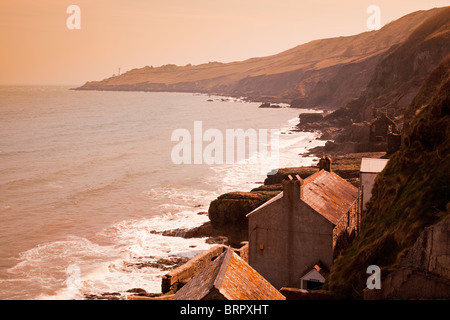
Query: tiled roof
[(325, 192), (231, 278), (329, 194)]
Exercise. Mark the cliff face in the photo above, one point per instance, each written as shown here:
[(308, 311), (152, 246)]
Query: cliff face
[(322, 73), (411, 193), (424, 273), (400, 73)]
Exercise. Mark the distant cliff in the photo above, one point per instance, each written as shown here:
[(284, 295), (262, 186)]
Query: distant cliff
[(323, 73), (394, 83), (400, 73), (410, 195)]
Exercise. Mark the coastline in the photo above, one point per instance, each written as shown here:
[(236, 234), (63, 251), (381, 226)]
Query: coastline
[(205, 232), (345, 165)]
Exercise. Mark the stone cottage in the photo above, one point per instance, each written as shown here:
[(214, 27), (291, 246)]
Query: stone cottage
[(308, 223)]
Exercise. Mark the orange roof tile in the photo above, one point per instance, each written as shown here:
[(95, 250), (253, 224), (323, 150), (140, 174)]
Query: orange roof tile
[(231, 278), (329, 194), (325, 192)]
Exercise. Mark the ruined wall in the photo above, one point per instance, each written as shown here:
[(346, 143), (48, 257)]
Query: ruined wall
[(345, 230)]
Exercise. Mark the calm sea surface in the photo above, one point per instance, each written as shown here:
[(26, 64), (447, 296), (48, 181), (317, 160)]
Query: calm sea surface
[(86, 176)]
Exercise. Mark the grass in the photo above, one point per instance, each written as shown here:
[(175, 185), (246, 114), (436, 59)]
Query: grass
[(411, 193)]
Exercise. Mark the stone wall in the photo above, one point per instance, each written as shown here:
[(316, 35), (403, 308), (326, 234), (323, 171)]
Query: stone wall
[(424, 273), (345, 231)]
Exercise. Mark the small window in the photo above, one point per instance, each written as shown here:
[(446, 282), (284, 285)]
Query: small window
[(313, 284), (261, 247)]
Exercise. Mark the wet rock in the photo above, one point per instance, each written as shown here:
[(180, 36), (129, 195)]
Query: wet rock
[(104, 296), (205, 230), (161, 263), (218, 240), (139, 292)]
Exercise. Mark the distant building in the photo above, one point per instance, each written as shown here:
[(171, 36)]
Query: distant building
[(308, 222), (228, 277), (314, 278), (381, 128), (370, 167)]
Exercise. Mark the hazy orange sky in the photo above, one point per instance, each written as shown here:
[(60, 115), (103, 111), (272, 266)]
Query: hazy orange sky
[(38, 48)]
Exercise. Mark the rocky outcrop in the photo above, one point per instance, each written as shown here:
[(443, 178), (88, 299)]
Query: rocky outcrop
[(205, 230), (310, 117), (228, 213), (282, 173), (268, 105), (424, 273)]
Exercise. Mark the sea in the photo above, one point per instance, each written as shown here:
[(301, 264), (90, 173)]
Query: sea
[(88, 182)]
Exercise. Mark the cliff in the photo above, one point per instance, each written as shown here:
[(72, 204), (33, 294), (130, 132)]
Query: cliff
[(323, 73), (411, 194), (397, 76)]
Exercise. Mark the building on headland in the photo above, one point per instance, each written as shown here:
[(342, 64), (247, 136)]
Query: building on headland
[(308, 223), (370, 168), (228, 277)]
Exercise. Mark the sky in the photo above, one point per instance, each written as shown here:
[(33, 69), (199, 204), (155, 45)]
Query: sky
[(38, 47)]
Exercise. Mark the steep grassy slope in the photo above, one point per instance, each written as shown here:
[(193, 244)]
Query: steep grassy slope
[(322, 73), (412, 192)]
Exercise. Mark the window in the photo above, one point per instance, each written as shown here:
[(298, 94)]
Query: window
[(313, 284)]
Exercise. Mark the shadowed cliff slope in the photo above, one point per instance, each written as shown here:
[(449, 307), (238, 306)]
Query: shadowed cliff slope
[(412, 192)]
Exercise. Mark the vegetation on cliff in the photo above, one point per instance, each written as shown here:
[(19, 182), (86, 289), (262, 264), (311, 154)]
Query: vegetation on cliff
[(411, 193)]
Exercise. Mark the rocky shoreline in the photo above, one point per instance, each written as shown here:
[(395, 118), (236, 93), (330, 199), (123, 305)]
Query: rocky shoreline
[(228, 224)]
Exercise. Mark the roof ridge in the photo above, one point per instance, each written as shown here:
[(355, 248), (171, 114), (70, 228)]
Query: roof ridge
[(223, 268), (312, 177), (273, 199)]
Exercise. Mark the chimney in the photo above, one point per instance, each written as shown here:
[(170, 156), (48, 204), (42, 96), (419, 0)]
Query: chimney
[(325, 163), (328, 164), (292, 195), (292, 188)]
